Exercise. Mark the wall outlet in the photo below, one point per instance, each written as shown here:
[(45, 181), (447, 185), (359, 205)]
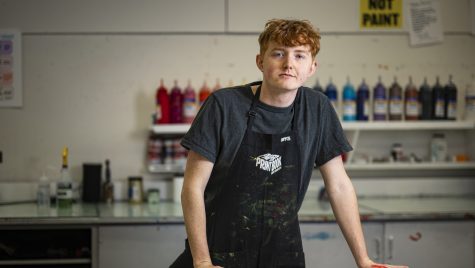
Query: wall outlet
[(1, 157)]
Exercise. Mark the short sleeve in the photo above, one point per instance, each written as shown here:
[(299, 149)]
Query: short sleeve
[(203, 137), (333, 139)]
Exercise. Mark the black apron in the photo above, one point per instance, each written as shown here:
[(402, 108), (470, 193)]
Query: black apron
[(253, 222)]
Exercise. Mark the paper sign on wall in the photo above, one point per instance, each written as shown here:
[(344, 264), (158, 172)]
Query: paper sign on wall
[(10, 69), (425, 24), (381, 14)]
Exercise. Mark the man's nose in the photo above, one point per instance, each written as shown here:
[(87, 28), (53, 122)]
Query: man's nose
[(288, 62)]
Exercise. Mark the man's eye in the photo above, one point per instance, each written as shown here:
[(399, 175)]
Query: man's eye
[(278, 54), (300, 56)]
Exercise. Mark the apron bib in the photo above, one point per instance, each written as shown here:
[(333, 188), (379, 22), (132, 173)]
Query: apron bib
[(253, 222)]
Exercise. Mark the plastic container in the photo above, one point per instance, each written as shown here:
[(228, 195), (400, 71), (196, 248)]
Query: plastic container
[(425, 100), (162, 115), (189, 104), (349, 102), (411, 102), (362, 102), (176, 104), (332, 94), (450, 100), (438, 101), (438, 148), (380, 102), (395, 101), (470, 100), (43, 194)]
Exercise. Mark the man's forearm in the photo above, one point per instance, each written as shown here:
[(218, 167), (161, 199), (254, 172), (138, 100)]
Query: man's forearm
[(345, 208), (195, 221)]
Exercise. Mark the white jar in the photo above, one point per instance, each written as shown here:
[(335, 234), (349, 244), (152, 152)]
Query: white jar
[(438, 148)]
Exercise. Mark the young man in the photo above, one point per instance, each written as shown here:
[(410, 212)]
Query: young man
[(252, 150)]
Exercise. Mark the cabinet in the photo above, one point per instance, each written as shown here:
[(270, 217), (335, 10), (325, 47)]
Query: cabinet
[(72, 247), (140, 246), (430, 244), (325, 246), (416, 244), (374, 139)]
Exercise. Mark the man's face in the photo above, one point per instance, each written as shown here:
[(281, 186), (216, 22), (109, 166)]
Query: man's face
[(286, 68)]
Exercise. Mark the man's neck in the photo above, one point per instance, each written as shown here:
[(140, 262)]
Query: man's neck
[(276, 98)]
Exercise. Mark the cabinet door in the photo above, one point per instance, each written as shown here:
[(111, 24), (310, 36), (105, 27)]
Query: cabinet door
[(325, 246), (140, 246), (430, 244)]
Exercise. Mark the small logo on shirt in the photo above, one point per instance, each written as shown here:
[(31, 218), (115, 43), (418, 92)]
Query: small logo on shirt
[(269, 162), (285, 139)]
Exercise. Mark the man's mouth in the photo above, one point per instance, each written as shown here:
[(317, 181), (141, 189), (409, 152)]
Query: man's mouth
[(286, 75)]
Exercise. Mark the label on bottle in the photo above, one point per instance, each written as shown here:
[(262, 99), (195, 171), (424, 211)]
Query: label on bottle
[(380, 107), (366, 108), (349, 108), (189, 109), (412, 107), (451, 110), (439, 108), (395, 107), (158, 113)]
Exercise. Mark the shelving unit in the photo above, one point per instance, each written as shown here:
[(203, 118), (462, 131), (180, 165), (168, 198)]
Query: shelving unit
[(354, 129), (380, 125)]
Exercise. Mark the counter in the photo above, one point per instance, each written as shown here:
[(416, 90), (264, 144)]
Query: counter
[(122, 213)]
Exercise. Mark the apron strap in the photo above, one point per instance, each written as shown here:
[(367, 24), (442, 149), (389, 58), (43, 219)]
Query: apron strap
[(252, 111)]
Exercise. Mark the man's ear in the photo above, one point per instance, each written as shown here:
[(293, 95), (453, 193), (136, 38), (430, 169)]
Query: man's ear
[(314, 66), (259, 62)]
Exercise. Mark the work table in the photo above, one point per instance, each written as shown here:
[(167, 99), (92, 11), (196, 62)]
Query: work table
[(123, 213)]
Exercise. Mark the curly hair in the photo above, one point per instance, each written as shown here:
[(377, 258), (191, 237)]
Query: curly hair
[(290, 33)]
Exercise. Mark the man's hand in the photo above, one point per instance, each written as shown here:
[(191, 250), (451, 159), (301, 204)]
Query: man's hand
[(371, 264)]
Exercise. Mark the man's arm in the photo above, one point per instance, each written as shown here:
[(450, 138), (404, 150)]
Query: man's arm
[(197, 173), (345, 207)]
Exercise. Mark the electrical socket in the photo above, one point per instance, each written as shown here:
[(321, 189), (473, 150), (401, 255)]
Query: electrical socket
[(1, 157)]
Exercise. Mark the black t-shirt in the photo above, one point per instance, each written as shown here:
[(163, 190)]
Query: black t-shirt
[(220, 125)]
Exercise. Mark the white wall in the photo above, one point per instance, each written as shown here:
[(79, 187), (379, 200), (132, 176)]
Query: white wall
[(90, 68)]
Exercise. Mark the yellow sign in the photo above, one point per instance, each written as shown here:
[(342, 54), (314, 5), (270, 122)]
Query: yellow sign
[(381, 14)]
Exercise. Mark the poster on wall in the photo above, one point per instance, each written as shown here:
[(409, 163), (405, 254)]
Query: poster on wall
[(425, 24), (381, 14), (10, 69)]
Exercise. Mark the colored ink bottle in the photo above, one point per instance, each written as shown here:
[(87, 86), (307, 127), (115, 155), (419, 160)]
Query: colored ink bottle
[(317, 86), (380, 101), (438, 101), (204, 93), (189, 104), (395, 101), (332, 94), (425, 100), (176, 104), (470, 100), (362, 102), (162, 104), (450, 100), (349, 102), (411, 100)]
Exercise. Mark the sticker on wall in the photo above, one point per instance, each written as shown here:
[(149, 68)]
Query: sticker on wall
[(11, 92), (381, 14)]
